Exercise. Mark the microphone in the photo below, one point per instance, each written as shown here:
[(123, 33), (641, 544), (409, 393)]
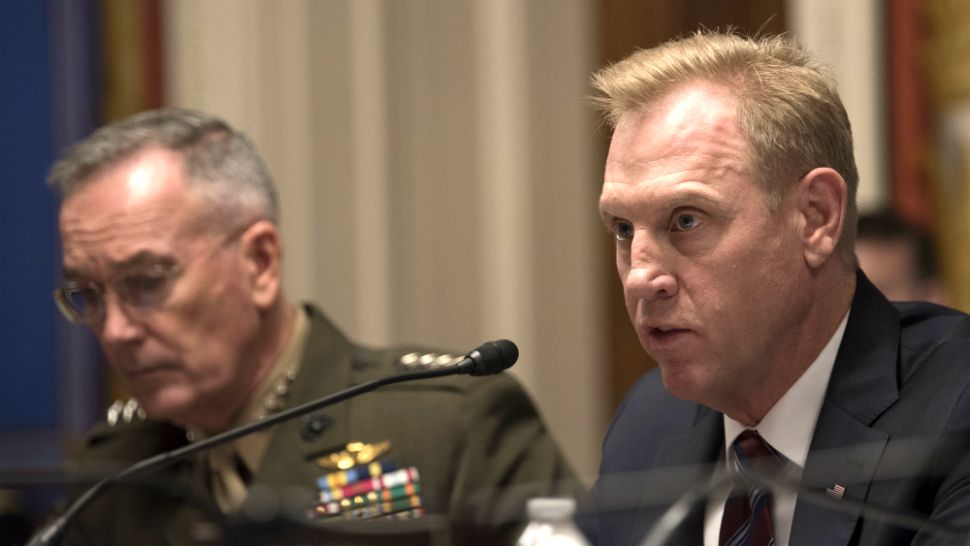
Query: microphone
[(491, 357)]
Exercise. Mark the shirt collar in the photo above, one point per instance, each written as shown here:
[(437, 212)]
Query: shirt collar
[(266, 398), (790, 424)]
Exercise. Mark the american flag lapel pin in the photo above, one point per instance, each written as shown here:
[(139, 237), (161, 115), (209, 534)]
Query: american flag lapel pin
[(836, 491)]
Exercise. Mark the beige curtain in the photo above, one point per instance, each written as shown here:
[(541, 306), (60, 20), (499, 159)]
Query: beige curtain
[(849, 37), (947, 48)]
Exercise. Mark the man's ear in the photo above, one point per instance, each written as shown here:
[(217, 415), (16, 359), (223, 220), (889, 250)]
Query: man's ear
[(262, 257), (823, 198)]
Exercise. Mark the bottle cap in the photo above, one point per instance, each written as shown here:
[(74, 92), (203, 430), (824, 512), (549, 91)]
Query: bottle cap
[(551, 508)]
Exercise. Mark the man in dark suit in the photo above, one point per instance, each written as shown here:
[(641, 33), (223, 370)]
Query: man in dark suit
[(730, 189), (173, 258)]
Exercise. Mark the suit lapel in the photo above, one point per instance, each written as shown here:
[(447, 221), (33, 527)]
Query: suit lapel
[(845, 450), (845, 453), (684, 460)]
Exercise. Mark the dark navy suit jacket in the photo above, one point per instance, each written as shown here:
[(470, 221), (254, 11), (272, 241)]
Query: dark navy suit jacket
[(894, 431)]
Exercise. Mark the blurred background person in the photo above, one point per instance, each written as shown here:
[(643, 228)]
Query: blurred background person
[(899, 258)]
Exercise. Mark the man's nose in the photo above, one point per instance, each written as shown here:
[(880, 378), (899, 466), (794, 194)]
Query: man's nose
[(651, 276), (118, 324)]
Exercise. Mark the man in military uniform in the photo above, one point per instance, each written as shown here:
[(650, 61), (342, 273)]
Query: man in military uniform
[(172, 256)]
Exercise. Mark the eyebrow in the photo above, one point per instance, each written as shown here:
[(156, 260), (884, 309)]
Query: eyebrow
[(142, 259), (138, 260), (691, 197), (71, 274), (680, 198)]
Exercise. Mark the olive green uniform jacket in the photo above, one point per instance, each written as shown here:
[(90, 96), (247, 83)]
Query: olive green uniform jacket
[(478, 443)]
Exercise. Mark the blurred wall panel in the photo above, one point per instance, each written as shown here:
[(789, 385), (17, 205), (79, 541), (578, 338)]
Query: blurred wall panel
[(911, 193), (944, 52), (850, 38)]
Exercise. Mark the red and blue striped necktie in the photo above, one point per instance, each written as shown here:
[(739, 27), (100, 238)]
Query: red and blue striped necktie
[(747, 519)]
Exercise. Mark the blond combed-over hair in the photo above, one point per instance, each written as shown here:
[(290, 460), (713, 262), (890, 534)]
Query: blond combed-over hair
[(788, 107)]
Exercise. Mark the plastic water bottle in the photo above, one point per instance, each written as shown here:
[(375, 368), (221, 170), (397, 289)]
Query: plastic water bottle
[(551, 524)]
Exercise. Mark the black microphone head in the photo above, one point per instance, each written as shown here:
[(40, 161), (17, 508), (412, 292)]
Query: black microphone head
[(493, 357)]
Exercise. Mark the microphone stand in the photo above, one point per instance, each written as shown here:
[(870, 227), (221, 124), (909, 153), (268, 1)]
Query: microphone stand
[(53, 533)]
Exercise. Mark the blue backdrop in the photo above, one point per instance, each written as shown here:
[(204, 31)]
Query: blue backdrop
[(27, 240), (51, 380)]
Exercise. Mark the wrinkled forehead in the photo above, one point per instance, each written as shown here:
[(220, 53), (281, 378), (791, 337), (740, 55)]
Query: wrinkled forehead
[(110, 235), (132, 209)]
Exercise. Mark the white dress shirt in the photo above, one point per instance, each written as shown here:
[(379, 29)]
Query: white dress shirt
[(788, 427)]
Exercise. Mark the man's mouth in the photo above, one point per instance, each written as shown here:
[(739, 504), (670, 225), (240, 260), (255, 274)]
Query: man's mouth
[(148, 370), (665, 334)]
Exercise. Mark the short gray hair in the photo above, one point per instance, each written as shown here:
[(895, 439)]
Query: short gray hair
[(788, 105), (217, 160)]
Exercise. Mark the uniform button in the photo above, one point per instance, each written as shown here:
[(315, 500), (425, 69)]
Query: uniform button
[(315, 426), (359, 360)]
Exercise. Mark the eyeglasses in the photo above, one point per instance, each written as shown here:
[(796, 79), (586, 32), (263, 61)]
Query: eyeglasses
[(142, 289), (145, 289)]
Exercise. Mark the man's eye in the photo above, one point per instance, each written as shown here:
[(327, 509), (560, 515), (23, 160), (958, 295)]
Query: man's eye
[(623, 231), (685, 222), (143, 289), (83, 296)]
